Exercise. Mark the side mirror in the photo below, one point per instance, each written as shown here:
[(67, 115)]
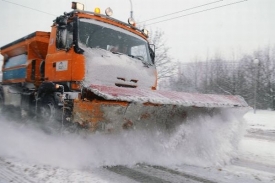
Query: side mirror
[(152, 49), (64, 36), (61, 38), (61, 21)]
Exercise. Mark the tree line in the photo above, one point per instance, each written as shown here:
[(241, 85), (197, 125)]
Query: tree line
[(251, 76)]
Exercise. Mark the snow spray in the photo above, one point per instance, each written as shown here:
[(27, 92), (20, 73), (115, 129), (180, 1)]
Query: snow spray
[(200, 141)]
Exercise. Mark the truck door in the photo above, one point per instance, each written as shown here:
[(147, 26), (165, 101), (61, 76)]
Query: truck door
[(58, 63)]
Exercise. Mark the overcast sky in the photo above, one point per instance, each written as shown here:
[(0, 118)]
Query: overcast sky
[(200, 32)]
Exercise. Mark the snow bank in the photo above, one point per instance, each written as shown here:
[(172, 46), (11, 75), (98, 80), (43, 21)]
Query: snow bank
[(261, 127), (262, 119)]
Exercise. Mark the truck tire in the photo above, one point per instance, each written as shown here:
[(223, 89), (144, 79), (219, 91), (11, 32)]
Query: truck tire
[(1, 100), (46, 109)]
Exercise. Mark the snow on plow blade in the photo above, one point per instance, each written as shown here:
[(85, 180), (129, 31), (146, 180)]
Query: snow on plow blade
[(167, 97), (119, 108)]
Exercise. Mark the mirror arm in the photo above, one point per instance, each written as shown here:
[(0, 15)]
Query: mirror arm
[(77, 49)]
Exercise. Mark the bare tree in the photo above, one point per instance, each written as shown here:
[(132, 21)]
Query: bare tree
[(253, 81), (165, 66)]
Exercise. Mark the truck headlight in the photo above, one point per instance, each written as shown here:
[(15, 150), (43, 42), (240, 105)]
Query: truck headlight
[(77, 6), (131, 21), (109, 12), (97, 11), (145, 31)]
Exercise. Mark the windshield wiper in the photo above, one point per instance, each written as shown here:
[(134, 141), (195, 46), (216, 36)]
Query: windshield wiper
[(141, 59), (114, 52), (137, 57)]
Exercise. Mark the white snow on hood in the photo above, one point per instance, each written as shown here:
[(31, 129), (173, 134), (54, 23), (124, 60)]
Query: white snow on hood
[(105, 68)]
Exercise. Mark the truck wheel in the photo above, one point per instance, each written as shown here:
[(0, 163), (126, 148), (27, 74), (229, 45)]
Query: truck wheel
[(1, 99), (46, 110), (1, 103)]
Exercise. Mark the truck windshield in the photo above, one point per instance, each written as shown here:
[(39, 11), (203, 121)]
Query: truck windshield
[(95, 34)]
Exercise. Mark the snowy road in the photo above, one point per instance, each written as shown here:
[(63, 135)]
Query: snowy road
[(255, 162), (261, 134), (248, 171), (12, 172), (155, 174)]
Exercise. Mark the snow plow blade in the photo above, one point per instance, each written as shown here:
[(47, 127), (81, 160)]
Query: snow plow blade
[(118, 108)]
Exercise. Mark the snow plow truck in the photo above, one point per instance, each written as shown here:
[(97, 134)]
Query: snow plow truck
[(98, 73)]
